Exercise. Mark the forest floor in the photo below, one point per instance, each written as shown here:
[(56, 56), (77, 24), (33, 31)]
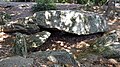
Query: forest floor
[(57, 42)]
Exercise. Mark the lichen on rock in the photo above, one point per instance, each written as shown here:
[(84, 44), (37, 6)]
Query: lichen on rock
[(72, 21)]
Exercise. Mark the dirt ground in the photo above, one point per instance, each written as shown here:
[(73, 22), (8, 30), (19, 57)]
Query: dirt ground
[(73, 43)]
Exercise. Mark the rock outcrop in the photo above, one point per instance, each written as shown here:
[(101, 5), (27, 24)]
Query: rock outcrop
[(16, 61), (53, 59), (110, 44), (72, 21), (58, 58), (23, 42)]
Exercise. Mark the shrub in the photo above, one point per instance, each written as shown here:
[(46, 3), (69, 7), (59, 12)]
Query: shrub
[(95, 2), (43, 5), (82, 1), (45, 1), (4, 18)]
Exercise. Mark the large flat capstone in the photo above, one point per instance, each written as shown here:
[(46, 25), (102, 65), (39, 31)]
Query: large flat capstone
[(72, 21)]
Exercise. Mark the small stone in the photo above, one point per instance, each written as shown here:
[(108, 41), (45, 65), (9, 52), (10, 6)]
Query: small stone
[(61, 44), (65, 46), (112, 61), (54, 49)]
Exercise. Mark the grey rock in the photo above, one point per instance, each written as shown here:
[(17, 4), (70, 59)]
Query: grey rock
[(114, 51), (23, 42), (61, 6), (22, 25), (72, 21), (90, 60), (111, 41), (37, 39), (59, 57), (107, 39), (16, 61), (20, 45)]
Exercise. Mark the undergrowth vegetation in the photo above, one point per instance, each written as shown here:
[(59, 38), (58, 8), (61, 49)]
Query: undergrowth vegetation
[(44, 5)]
